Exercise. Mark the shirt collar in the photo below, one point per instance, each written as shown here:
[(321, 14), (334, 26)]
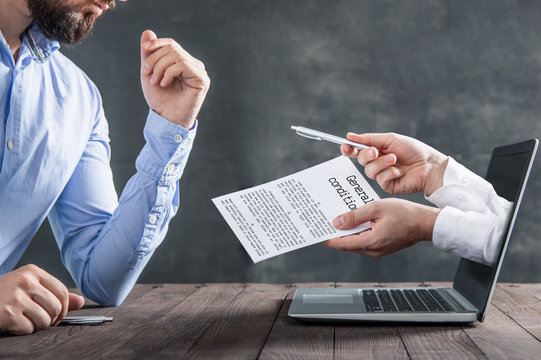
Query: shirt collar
[(40, 46)]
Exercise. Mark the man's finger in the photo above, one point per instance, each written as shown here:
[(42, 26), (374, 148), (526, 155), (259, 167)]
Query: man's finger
[(348, 150), (373, 168), (356, 242), (354, 217), (75, 302), (162, 58), (155, 43), (146, 37), (366, 156), (58, 289), (380, 141), (39, 317), (387, 177), (199, 63), (23, 326), (157, 65), (191, 74), (167, 62), (149, 62), (48, 301)]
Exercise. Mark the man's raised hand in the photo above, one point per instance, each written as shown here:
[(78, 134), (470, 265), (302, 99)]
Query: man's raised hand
[(174, 82)]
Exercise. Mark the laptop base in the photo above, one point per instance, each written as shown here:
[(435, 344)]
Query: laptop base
[(348, 305)]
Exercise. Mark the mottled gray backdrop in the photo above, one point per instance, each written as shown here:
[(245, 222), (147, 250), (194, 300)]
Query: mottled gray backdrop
[(463, 76)]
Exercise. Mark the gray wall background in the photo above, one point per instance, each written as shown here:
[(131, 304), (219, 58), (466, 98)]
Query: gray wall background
[(462, 76)]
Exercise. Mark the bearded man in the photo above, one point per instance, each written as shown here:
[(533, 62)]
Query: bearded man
[(54, 161)]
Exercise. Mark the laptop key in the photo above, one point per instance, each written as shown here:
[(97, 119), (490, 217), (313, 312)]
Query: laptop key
[(400, 301), (445, 305), (415, 301), (386, 301), (371, 301), (429, 301)]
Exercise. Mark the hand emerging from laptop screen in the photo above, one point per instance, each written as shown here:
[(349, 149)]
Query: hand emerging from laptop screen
[(400, 164), (470, 214), (396, 224)]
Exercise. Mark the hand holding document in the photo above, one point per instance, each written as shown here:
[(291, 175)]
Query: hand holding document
[(296, 211)]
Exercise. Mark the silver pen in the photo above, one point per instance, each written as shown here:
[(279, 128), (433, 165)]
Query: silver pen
[(85, 320), (318, 135)]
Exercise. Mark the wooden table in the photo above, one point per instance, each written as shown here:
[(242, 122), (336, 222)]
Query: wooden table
[(248, 321)]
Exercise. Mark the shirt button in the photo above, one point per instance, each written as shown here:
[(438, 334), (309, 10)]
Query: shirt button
[(178, 138), (171, 168), (153, 219), (10, 145)]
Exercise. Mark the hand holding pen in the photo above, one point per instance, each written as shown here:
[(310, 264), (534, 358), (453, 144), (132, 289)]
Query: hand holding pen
[(400, 164)]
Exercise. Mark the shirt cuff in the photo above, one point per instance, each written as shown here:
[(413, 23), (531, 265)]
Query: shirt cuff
[(467, 191), (456, 190), (458, 196), (166, 150), (471, 235), (457, 174)]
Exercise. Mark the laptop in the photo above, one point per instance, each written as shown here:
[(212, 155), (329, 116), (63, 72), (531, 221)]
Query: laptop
[(473, 285)]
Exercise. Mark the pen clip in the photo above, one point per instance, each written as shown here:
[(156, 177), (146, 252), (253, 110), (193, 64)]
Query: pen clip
[(299, 132)]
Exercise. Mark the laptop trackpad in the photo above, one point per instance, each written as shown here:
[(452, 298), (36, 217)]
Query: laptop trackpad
[(327, 299)]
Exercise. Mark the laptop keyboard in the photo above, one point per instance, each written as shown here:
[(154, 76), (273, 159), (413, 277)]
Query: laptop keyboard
[(400, 300)]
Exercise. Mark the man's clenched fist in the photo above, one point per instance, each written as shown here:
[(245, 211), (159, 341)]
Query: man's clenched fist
[(174, 82), (31, 300)]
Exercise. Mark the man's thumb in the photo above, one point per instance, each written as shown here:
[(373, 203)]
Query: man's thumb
[(75, 302), (147, 36), (353, 218)]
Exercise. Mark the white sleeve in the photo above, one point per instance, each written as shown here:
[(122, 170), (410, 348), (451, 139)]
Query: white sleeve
[(473, 218), (469, 234), (465, 190)]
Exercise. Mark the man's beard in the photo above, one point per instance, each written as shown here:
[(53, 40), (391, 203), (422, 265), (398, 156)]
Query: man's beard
[(67, 24)]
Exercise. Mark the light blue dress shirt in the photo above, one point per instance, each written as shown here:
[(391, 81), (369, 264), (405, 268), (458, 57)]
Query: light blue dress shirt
[(54, 161)]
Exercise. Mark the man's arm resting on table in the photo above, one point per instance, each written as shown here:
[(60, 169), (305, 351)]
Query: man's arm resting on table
[(104, 244)]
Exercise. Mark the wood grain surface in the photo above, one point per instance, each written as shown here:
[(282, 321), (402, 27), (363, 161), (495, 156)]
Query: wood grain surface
[(249, 321)]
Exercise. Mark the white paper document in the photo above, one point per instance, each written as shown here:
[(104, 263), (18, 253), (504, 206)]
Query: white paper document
[(297, 210)]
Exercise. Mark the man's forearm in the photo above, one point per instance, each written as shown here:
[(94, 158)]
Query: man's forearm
[(140, 222), (105, 244), (126, 242)]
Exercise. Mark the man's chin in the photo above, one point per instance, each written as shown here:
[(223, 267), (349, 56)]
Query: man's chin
[(63, 24), (84, 28)]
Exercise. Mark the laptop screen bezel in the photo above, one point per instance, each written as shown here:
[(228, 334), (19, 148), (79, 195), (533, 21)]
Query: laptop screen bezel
[(530, 147)]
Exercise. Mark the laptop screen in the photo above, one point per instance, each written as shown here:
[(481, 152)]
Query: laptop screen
[(508, 173)]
